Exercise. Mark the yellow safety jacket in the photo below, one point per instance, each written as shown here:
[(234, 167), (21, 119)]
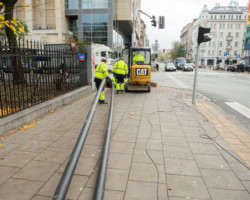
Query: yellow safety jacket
[(120, 68), (101, 71), (138, 57)]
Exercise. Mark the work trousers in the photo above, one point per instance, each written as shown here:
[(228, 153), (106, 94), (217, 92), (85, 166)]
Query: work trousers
[(97, 84)]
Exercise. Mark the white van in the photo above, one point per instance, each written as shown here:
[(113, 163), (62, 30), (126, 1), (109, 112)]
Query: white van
[(100, 51)]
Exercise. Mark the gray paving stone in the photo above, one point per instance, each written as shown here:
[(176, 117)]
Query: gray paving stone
[(127, 129), (178, 152), (119, 161), (116, 179), (221, 179), (147, 173), (91, 151), (85, 166), (45, 169), (211, 162), (124, 137), (201, 148), (113, 195), (122, 147), (7, 148), (34, 146), (175, 141), (179, 198), (247, 185), (141, 156), (94, 140), (41, 198), (222, 194), (19, 189), (64, 142), (187, 186), (181, 167), (17, 158), (6, 173), (54, 154), (172, 133), (241, 171), (140, 190), (87, 194), (148, 144), (76, 186)]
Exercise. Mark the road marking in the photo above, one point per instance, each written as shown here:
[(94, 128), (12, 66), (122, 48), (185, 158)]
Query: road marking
[(240, 108)]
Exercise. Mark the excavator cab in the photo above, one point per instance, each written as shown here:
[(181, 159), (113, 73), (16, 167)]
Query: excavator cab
[(139, 67)]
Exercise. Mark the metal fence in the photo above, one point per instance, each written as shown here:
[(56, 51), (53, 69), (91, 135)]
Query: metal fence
[(32, 72)]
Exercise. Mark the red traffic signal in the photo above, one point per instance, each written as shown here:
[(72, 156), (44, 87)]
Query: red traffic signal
[(201, 37)]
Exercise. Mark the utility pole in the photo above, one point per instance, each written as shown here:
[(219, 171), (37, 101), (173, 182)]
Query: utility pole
[(134, 24)]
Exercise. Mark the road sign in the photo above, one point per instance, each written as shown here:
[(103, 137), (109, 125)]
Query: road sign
[(81, 57), (225, 53), (245, 58), (237, 55), (217, 58)]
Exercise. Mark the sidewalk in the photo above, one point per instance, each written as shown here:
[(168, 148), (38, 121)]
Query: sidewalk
[(162, 148)]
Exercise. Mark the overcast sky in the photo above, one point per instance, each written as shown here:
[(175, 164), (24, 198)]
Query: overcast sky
[(177, 14)]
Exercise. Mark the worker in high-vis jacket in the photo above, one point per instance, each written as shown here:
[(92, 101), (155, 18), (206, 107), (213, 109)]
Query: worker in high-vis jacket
[(138, 57), (120, 71), (101, 72)]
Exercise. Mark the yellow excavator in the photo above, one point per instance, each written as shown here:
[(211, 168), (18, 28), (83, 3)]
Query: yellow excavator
[(139, 68)]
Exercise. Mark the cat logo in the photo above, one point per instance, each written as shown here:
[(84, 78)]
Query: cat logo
[(141, 72)]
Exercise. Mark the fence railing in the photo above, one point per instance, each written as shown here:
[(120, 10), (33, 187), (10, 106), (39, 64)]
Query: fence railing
[(32, 72)]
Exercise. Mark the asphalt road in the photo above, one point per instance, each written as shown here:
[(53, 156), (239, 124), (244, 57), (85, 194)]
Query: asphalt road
[(229, 90)]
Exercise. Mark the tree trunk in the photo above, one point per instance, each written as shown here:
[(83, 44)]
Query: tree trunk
[(17, 70)]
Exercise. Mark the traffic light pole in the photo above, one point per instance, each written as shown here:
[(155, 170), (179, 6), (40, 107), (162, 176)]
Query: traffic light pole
[(196, 74)]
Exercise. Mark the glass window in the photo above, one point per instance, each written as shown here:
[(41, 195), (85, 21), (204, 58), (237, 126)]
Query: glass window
[(86, 4), (103, 54), (71, 4), (219, 52)]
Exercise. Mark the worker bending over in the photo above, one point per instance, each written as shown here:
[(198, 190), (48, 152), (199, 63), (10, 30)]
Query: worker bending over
[(120, 71)]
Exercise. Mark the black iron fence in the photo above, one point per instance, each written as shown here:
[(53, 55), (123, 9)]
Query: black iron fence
[(32, 72)]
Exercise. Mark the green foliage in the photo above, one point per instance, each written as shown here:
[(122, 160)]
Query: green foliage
[(177, 51)]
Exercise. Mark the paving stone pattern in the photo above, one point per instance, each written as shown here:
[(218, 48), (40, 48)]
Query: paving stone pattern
[(160, 150)]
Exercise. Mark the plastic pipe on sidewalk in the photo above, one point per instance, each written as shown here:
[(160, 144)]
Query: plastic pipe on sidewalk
[(99, 191), (64, 183)]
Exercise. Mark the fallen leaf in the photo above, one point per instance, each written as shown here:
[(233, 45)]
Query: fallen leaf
[(92, 155), (0, 145), (2, 158), (169, 189), (131, 113), (81, 189), (11, 131), (1, 138), (52, 111)]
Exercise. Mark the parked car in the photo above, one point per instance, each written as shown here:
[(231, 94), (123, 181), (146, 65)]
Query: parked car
[(242, 67), (187, 67), (232, 68), (170, 67)]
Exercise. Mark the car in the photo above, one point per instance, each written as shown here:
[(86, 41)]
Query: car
[(170, 67), (242, 67), (232, 68), (187, 67)]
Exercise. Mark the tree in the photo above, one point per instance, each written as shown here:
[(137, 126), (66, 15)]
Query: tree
[(12, 27), (177, 51)]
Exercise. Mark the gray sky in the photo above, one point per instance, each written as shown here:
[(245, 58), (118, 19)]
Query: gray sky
[(177, 14)]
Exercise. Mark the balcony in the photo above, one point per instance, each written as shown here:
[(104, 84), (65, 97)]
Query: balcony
[(229, 38), (228, 47)]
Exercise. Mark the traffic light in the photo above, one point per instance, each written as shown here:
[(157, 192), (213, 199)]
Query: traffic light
[(153, 21), (201, 37)]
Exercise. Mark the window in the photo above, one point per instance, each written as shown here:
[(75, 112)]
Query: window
[(95, 28), (236, 44), (231, 26), (212, 52), (239, 26), (209, 52), (220, 43), (224, 17), (237, 34), (219, 52), (240, 17), (221, 34), (215, 17), (71, 4), (235, 53), (223, 26), (86, 4), (221, 17), (213, 43), (103, 54), (236, 16), (214, 26), (211, 16), (229, 34), (228, 26), (228, 43)]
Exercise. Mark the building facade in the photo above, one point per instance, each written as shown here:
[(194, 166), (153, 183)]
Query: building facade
[(186, 39), (45, 20), (247, 39), (107, 22), (227, 25)]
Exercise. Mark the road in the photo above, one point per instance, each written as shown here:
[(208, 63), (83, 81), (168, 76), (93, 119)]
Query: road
[(229, 90)]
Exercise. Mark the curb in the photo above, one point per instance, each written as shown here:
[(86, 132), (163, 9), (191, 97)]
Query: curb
[(15, 120)]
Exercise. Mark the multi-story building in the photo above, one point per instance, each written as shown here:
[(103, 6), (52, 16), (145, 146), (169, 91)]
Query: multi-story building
[(247, 37), (107, 22), (45, 19), (227, 25), (142, 42), (186, 39)]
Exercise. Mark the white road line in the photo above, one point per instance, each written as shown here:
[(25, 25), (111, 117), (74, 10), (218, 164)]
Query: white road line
[(240, 108)]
